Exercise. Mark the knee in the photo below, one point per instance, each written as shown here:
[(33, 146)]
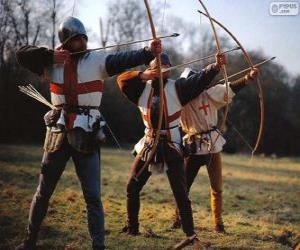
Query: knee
[(42, 194), (182, 198), (216, 191), (216, 187), (133, 188), (48, 169), (93, 199)]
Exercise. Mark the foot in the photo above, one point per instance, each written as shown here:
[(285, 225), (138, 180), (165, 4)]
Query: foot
[(219, 228), (133, 231)]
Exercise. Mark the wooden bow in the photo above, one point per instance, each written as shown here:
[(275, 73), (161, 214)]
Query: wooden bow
[(161, 99), (224, 71), (259, 86)]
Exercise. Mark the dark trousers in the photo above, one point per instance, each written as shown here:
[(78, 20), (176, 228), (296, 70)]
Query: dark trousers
[(176, 178), (213, 163), (88, 171)]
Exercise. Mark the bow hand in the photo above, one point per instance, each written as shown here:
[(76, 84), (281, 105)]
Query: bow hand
[(220, 60), (156, 47)]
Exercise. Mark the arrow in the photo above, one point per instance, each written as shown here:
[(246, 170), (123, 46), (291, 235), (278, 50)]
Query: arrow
[(197, 60), (124, 44), (245, 70)]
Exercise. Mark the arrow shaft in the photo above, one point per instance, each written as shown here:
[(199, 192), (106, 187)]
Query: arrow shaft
[(197, 60), (124, 44), (247, 69)]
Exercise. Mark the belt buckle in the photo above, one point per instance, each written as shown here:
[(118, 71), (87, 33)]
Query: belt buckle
[(208, 143)]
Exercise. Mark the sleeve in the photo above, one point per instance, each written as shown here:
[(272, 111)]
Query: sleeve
[(121, 61), (240, 83), (35, 58), (218, 94), (131, 85), (192, 86)]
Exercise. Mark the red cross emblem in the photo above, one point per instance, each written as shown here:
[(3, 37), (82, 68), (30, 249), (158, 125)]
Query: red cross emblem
[(204, 107)]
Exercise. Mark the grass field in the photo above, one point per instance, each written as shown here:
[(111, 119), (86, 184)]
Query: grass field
[(261, 204)]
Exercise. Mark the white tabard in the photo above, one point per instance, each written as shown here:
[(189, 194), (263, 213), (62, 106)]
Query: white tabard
[(172, 111), (79, 84), (200, 116)]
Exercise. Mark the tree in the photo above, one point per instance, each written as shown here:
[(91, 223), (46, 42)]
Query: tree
[(22, 22)]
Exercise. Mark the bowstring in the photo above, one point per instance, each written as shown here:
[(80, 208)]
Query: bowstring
[(73, 9), (208, 163), (163, 17), (201, 47), (240, 134)]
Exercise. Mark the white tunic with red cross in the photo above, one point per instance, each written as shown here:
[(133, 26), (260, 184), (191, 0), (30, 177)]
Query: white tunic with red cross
[(79, 83), (172, 111), (200, 116)]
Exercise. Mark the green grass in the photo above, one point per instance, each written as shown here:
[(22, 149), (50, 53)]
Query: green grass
[(261, 204)]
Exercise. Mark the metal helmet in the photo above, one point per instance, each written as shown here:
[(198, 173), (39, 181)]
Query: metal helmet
[(187, 73), (70, 28), (165, 60)]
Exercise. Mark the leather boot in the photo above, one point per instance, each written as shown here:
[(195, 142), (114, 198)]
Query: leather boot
[(131, 230), (216, 210)]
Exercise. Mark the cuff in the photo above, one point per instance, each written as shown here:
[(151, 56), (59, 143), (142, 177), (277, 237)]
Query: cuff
[(148, 55)]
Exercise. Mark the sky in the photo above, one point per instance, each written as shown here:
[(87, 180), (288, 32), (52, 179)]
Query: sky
[(249, 20)]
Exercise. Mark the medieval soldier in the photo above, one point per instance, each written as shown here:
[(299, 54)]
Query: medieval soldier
[(203, 142), (142, 88), (73, 128)]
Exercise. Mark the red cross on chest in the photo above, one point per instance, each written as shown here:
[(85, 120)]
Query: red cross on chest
[(70, 83), (204, 107)]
